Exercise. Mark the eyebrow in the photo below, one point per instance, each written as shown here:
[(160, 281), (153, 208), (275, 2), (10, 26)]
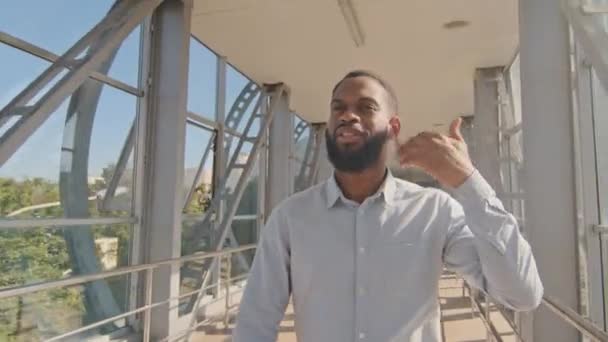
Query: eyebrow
[(369, 99), (363, 99)]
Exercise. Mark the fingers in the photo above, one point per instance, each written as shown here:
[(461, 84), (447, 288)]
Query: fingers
[(455, 129)]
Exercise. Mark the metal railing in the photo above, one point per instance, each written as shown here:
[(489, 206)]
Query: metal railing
[(574, 319), (148, 305)]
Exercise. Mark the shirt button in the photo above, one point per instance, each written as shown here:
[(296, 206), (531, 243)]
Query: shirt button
[(361, 336), (361, 250)]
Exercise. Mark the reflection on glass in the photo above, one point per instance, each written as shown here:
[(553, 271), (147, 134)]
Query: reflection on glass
[(42, 315)]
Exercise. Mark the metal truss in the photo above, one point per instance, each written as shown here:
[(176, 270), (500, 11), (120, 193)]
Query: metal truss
[(123, 159), (48, 56), (309, 166), (233, 196), (249, 92), (95, 46)]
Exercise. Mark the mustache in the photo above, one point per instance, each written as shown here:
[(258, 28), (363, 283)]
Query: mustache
[(345, 125)]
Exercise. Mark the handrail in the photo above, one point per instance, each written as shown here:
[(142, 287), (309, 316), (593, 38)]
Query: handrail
[(574, 319), (579, 322), (53, 284), (148, 305)]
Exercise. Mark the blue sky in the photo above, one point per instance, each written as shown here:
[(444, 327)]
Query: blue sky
[(56, 25)]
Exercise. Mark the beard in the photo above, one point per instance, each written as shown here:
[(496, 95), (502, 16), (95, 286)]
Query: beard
[(353, 160)]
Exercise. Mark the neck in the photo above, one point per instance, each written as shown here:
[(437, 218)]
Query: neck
[(359, 186)]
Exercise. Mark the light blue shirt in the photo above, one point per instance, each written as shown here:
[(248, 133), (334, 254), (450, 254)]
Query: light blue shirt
[(370, 272)]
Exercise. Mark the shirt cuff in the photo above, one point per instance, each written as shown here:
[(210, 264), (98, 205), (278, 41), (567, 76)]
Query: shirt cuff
[(474, 192)]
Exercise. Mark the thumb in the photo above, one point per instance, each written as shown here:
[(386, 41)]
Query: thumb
[(455, 129)]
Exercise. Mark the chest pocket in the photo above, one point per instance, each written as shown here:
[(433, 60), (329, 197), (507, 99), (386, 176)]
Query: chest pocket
[(401, 265)]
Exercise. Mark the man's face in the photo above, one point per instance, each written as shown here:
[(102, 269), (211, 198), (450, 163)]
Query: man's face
[(360, 124)]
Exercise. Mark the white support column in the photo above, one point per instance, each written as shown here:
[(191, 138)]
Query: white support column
[(485, 126), (279, 150), (325, 167), (164, 169), (549, 180)]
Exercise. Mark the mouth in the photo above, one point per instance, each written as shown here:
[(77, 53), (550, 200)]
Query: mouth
[(349, 135)]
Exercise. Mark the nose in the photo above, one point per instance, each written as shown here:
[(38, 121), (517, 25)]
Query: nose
[(348, 117)]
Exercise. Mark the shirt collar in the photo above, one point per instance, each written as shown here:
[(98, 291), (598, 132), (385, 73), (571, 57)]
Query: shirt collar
[(386, 190)]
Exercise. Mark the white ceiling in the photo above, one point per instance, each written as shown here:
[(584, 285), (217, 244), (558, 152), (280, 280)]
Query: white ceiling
[(307, 45)]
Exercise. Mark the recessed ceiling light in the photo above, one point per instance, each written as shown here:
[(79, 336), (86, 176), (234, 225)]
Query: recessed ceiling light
[(456, 24)]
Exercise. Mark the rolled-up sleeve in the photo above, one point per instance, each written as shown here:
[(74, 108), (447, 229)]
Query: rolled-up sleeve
[(268, 286), (485, 246)]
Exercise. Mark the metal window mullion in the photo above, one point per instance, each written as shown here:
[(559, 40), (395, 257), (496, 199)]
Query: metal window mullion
[(139, 163), (48, 56), (220, 161)]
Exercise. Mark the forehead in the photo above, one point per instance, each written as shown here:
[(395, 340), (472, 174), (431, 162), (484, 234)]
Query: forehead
[(352, 89)]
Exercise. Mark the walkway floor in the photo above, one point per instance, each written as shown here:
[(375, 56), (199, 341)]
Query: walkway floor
[(459, 323)]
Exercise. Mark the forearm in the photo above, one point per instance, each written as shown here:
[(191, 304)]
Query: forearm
[(506, 260)]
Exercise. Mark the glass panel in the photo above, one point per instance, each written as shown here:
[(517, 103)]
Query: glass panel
[(53, 25), (43, 254), (247, 234), (202, 75), (125, 66), (197, 141), (42, 315), (18, 69), (49, 177)]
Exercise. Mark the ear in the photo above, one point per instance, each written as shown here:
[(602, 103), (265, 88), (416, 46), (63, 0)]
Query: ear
[(395, 126)]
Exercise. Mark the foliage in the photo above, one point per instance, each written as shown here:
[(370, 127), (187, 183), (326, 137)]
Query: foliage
[(41, 254)]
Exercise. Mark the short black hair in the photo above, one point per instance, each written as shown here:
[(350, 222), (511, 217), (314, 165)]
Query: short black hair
[(392, 97)]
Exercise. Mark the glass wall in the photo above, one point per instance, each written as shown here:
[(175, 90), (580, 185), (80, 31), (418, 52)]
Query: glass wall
[(66, 195)]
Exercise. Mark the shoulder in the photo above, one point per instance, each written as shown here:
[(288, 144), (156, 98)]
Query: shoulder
[(306, 199)]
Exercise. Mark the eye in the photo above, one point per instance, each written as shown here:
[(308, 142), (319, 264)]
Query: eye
[(337, 108), (368, 107)]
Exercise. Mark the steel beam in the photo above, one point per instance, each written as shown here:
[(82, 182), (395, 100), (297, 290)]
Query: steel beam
[(280, 169), (318, 130), (549, 177), (165, 134), (485, 131)]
